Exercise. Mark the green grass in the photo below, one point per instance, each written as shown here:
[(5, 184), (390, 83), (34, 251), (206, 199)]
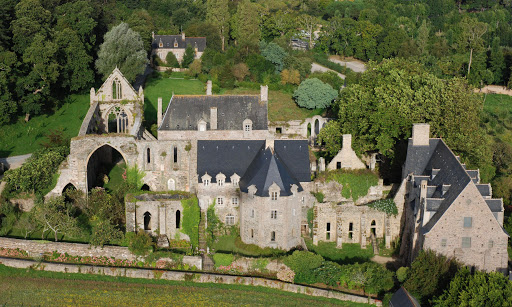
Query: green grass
[(233, 244), (164, 87), (222, 259), (115, 177), (350, 253), (22, 138), (20, 287), (497, 116), (355, 183)]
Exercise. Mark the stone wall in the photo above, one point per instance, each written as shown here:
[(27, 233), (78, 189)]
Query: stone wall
[(187, 276), (346, 157)]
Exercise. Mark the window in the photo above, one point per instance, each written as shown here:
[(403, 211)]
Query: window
[(273, 214), (468, 221), (178, 219), (328, 231), (230, 220), (338, 165), (273, 236), (443, 242), (206, 182), (234, 182), (274, 195), (466, 242), (175, 154), (302, 199), (491, 244), (220, 201), (147, 221), (252, 233), (234, 201), (252, 213), (220, 182), (148, 154), (160, 45)]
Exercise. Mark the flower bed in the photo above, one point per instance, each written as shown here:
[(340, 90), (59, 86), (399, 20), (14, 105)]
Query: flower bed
[(106, 261), (13, 253)]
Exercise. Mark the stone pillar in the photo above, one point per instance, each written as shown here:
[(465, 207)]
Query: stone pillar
[(388, 241), (159, 112), (347, 141), (183, 36), (339, 243), (209, 88), (213, 118), (264, 93), (92, 95), (321, 164), (420, 134), (162, 221)]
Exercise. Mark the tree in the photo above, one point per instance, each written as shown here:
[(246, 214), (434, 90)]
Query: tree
[(188, 57), (274, 54), (245, 25), (314, 94), (291, 76), (471, 37), (240, 71), (194, 69), (309, 24), (217, 13), (8, 105), (497, 61), (122, 48), (171, 60), (55, 215), (103, 232), (331, 135), (31, 19), (422, 39)]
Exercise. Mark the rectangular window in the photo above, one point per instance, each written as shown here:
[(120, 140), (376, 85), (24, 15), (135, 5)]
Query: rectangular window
[(328, 236), (302, 199), (443, 242), (220, 182), (273, 214), (220, 201), (206, 182), (252, 233), (230, 220), (468, 222), (466, 242), (175, 154), (274, 195), (235, 182), (328, 227), (247, 128), (491, 244), (234, 201), (273, 236)]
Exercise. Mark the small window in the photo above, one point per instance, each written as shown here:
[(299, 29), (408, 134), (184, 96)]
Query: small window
[(148, 154), (175, 151), (247, 127), (327, 235), (491, 244), (328, 227), (468, 222), (220, 182), (466, 242), (220, 201), (234, 201), (252, 233), (235, 182), (230, 220), (252, 213), (338, 165), (274, 195), (443, 242), (273, 214), (273, 236), (279, 130), (302, 199), (206, 182)]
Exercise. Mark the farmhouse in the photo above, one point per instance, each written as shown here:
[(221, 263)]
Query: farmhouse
[(177, 44)]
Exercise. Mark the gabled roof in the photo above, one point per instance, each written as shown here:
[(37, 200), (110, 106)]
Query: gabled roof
[(169, 40), (184, 112), (402, 298)]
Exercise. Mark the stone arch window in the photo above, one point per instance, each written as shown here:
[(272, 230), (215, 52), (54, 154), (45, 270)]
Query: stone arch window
[(273, 236), (117, 120), (373, 228), (171, 185), (147, 221), (178, 219), (145, 187), (117, 92), (175, 154), (148, 155)]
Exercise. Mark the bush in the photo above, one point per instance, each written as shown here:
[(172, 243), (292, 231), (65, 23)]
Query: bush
[(355, 183), (104, 233), (222, 259), (401, 274), (171, 60), (303, 263), (373, 277), (188, 57), (319, 196), (387, 206), (140, 243), (328, 273), (314, 94), (194, 69)]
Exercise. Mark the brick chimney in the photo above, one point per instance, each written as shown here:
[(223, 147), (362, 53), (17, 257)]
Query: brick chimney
[(264, 93), (213, 118), (209, 87), (420, 134)]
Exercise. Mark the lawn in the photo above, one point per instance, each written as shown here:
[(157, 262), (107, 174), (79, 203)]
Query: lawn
[(497, 116), (115, 177), (28, 287), (350, 253), (22, 137), (355, 183), (233, 244), (281, 106), (164, 87)]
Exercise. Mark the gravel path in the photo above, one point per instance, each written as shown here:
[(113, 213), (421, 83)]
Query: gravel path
[(355, 66), (317, 67)]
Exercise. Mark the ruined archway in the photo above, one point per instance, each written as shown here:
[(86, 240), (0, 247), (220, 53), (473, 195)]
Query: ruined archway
[(147, 221), (105, 168), (317, 127), (145, 187), (117, 120), (373, 228), (68, 192)]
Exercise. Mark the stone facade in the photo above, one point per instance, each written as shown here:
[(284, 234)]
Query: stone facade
[(346, 158), (177, 44)]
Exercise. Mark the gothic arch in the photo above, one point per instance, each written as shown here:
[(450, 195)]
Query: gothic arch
[(117, 119), (101, 154)]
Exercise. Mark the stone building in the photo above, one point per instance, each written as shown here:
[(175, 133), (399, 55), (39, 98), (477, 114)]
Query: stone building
[(447, 209), (177, 44), (346, 158)]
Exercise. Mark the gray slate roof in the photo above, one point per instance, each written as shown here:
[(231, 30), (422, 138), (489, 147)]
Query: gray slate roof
[(168, 42), (288, 164), (184, 112), (402, 298)]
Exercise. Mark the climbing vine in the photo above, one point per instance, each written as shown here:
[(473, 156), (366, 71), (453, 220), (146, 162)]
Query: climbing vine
[(191, 217), (311, 216), (213, 224), (387, 206)]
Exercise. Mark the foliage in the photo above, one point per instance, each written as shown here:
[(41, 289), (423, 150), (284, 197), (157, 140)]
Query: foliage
[(329, 77), (35, 175), (232, 243), (314, 94), (122, 48), (213, 226), (55, 215), (356, 183), (222, 259), (402, 273), (274, 54), (134, 177), (194, 68), (350, 253), (387, 206), (328, 273), (319, 196), (429, 275), (188, 57), (240, 71), (331, 135), (9, 215), (303, 264), (191, 217), (171, 60), (140, 243), (477, 289), (103, 232), (370, 276), (291, 76), (310, 217)]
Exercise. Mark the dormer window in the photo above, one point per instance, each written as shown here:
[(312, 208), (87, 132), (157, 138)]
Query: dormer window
[(175, 43), (247, 126), (206, 182), (206, 179), (161, 44), (220, 182), (235, 179), (220, 178), (273, 195)]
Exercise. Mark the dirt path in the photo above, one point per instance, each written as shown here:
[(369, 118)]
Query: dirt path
[(381, 259), (317, 67), (354, 65), (494, 89)]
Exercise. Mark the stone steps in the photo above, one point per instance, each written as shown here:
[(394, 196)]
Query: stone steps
[(202, 234)]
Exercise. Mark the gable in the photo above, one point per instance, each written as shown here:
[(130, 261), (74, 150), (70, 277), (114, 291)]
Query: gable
[(116, 88)]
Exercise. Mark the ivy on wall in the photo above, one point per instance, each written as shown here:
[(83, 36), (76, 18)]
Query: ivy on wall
[(191, 217), (387, 206)]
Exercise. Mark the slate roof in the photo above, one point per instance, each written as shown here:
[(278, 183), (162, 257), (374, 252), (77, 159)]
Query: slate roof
[(184, 112), (402, 298), (168, 42), (288, 164)]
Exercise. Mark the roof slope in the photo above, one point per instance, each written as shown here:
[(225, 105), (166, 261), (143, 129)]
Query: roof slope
[(184, 112)]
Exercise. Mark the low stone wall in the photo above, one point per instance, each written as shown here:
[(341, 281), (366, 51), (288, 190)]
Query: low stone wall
[(187, 276), (34, 248)]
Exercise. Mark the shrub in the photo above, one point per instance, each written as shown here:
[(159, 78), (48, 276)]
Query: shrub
[(291, 76), (387, 206), (373, 277), (171, 60), (222, 259), (328, 273), (191, 216), (194, 69), (104, 233), (303, 263), (401, 274), (140, 243), (314, 94), (240, 71), (319, 196), (188, 57), (355, 183)]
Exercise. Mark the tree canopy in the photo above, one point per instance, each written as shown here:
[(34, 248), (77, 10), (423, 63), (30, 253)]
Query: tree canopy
[(314, 94)]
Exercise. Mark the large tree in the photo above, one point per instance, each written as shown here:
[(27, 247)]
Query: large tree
[(122, 48), (245, 24), (217, 14), (314, 94)]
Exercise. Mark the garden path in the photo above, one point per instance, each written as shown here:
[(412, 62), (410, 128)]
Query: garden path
[(317, 67), (381, 259), (354, 65)]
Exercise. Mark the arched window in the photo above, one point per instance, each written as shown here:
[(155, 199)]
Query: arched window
[(116, 89), (373, 227), (145, 187), (171, 185), (350, 230), (147, 221), (117, 120), (148, 155), (178, 219)]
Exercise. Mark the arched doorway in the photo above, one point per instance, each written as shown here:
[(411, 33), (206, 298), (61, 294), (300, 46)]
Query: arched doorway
[(68, 192), (171, 185), (317, 126), (309, 130), (373, 228), (105, 168), (178, 219), (145, 187), (147, 221)]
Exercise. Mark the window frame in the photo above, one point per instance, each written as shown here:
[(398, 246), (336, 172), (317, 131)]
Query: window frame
[(273, 214), (229, 220), (466, 242), (467, 222), (220, 200)]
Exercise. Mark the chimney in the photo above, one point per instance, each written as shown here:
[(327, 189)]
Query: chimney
[(264, 93), (347, 141), (159, 114), (269, 142), (92, 96), (209, 88), (213, 118), (153, 34), (420, 134), (183, 36)]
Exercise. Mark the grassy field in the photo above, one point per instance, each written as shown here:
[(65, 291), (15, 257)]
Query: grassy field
[(281, 106), (28, 287), (497, 116), (22, 138), (350, 253), (164, 87)]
